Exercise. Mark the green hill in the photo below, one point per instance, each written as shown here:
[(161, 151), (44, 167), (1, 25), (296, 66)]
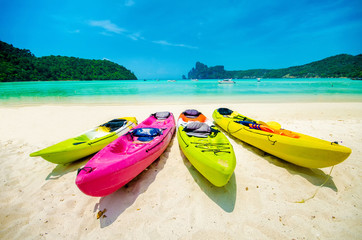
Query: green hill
[(338, 66), (21, 65)]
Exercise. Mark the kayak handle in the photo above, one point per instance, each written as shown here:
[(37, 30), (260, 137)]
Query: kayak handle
[(84, 169)]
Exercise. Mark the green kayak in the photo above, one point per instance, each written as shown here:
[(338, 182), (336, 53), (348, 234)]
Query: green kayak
[(86, 143), (208, 149)]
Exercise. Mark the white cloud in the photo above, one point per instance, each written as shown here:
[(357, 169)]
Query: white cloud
[(110, 28), (162, 42), (135, 36), (107, 25)]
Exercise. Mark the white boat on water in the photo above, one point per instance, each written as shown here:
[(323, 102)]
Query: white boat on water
[(226, 81)]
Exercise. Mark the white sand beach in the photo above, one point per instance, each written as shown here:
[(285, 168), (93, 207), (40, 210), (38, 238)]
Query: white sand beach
[(171, 200)]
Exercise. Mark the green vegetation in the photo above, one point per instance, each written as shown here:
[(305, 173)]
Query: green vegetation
[(21, 65), (342, 65)]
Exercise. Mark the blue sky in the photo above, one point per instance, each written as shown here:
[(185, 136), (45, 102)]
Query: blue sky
[(162, 39)]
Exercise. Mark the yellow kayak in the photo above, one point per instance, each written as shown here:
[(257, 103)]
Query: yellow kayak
[(86, 143), (297, 148)]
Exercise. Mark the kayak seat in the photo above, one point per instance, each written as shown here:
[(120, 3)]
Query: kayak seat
[(191, 113), (225, 111), (145, 139), (146, 134), (114, 124), (161, 115), (197, 129)]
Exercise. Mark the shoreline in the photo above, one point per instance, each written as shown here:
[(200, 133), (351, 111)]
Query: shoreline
[(171, 200), (187, 79), (176, 100)]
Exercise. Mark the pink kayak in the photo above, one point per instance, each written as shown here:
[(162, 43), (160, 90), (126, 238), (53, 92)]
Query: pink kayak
[(126, 157)]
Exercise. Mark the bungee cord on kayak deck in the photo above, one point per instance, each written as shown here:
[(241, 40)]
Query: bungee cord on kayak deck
[(213, 147)]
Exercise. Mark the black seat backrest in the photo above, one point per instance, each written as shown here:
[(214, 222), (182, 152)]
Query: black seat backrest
[(162, 115), (114, 124), (191, 113), (198, 129), (225, 111)]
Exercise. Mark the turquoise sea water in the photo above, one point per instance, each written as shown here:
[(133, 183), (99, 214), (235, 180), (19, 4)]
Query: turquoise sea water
[(203, 91)]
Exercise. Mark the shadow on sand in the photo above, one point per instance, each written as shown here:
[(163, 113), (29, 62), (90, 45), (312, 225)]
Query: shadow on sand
[(315, 176), (117, 202), (224, 196), (62, 169)]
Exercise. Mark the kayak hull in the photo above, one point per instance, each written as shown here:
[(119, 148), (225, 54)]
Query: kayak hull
[(213, 157), (83, 145), (125, 158), (303, 150)]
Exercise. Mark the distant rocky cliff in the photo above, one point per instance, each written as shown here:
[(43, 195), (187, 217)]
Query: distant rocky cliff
[(338, 66), (201, 71)]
